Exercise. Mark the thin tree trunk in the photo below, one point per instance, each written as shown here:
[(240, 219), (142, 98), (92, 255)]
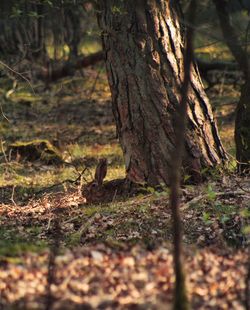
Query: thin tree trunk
[(144, 44), (242, 119), (242, 129), (180, 296)]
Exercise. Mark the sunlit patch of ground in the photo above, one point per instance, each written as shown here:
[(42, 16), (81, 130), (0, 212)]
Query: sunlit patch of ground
[(224, 99), (75, 115)]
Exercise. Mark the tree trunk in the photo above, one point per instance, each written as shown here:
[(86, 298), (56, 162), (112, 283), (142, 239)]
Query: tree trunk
[(242, 128), (242, 119), (144, 44)]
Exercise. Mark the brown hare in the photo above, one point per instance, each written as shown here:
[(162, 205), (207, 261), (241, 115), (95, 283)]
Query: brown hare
[(98, 191)]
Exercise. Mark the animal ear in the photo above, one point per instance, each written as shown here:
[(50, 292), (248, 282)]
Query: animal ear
[(101, 171)]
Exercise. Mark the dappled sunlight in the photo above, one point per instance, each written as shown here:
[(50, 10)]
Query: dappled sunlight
[(76, 232)]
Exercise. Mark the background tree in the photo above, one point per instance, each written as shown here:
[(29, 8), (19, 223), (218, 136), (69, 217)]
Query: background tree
[(39, 37), (240, 52), (143, 44)]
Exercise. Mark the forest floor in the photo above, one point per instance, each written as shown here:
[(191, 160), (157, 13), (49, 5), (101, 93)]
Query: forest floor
[(113, 255)]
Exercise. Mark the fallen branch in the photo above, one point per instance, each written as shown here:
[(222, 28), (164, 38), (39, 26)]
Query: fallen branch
[(75, 181), (69, 68), (205, 66), (201, 197)]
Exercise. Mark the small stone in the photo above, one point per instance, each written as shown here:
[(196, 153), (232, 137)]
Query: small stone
[(97, 255)]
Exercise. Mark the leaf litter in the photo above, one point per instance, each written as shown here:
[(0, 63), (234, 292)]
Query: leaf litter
[(117, 255)]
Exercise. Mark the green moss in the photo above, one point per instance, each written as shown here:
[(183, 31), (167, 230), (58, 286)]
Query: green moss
[(36, 150), (73, 239), (14, 242)]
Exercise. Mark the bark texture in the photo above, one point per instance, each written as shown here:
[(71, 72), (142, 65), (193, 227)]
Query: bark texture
[(144, 44)]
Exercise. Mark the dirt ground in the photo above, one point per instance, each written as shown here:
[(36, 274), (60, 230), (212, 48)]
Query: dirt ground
[(57, 252)]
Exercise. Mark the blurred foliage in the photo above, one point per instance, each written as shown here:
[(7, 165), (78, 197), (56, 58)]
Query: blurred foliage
[(43, 30)]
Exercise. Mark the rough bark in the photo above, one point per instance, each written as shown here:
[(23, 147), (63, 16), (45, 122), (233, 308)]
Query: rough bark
[(144, 45)]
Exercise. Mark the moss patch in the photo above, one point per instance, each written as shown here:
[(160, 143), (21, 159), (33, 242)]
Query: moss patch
[(35, 150)]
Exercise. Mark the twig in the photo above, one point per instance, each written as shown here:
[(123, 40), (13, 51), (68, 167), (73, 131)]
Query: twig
[(12, 195), (241, 187), (63, 182), (114, 196), (71, 219), (19, 74), (4, 153), (3, 114), (85, 226), (49, 223), (75, 167), (197, 199), (234, 158), (11, 91), (230, 174), (72, 165)]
